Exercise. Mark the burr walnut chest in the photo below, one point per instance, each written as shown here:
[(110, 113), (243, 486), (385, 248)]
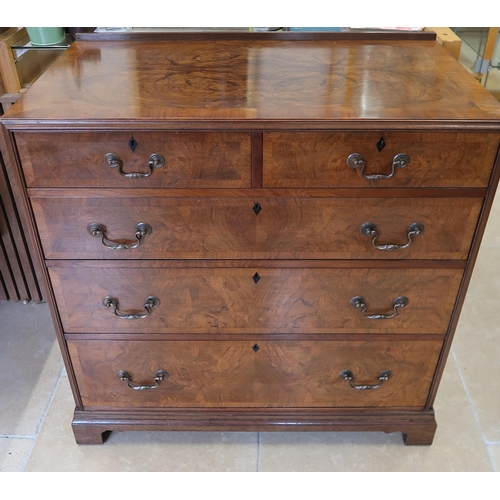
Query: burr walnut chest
[(255, 232)]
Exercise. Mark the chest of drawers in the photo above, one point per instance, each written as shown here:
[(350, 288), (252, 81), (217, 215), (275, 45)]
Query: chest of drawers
[(256, 233)]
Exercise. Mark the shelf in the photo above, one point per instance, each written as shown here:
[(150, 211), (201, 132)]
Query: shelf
[(21, 62), (25, 44)]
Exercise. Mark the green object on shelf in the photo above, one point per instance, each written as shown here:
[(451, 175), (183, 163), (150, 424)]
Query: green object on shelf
[(46, 36)]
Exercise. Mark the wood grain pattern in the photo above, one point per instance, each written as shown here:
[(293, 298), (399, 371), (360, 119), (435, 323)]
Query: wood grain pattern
[(418, 427), (232, 374), (272, 80), (218, 35), (319, 159), (8, 70), (258, 193), (32, 63), (277, 118), (330, 229), (227, 300), (257, 138), (192, 160), (226, 228), (281, 337), (257, 263)]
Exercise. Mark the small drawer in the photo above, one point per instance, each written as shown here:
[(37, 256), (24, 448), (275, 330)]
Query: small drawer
[(114, 297), (116, 227), (161, 374), (378, 159), (134, 160)]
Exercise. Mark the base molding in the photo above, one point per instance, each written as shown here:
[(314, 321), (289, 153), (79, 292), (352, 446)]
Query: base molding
[(418, 427)]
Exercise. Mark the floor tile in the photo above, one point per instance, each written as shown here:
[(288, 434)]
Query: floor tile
[(494, 450), (14, 453), (476, 345), (31, 365), (56, 450), (458, 445)]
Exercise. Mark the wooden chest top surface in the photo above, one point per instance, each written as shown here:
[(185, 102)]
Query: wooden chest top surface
[(268, 81)]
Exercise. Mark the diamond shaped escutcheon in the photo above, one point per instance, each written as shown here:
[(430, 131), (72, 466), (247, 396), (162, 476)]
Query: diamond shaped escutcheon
[(257, 208), (256, 278), (132, 144)]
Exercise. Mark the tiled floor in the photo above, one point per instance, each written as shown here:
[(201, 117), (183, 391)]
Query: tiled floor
[(36, 408)]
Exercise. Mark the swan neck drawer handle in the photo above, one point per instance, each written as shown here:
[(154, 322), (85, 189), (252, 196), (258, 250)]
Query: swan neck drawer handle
[(155, 161), (149, 304), (370, 229), (125, 376), (142, 229), (398, 303), (349, 377), (356, 160)]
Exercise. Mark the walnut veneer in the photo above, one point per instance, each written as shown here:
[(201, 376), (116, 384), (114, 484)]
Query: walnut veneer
[(252, 232)]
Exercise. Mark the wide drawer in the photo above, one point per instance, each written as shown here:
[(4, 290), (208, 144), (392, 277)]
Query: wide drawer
[(249, 373), (251, 300), (228, 228), (319, 159), (191, 159)]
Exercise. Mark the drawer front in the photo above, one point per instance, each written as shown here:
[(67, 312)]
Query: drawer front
[(252, 300), (227, 228), (191, 159), (237, 374), (319, 159)]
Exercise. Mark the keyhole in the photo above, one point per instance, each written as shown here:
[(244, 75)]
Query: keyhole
[(133, 144)]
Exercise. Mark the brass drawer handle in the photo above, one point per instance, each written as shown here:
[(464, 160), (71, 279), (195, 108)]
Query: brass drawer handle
[(370, 229), (155, 161), (347, 375), (142, 229), (149, 304), (356, 160), (125, 376), (359, 302)]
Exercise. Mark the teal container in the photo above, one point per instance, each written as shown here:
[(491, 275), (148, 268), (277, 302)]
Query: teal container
[(46, 36)]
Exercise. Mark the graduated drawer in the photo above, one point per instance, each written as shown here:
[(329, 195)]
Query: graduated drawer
[(319, 159), (250, 299), (254, 374), (228, 228), (191, 159)]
